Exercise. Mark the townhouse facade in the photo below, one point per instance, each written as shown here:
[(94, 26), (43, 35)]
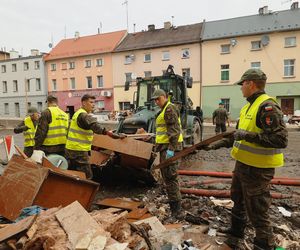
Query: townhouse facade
[(22, 84), (148, 53), (269, 41), (83, 65)]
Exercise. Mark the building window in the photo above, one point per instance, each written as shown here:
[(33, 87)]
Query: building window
[(100, 104), (6, 108), (17, 109), (185, 53), (100, 81), (129, 59), (289, 42), (166, 55), (225, 49), (3, 68), (148, 73), (124, 105), (14, 67), (53, 67), (99, 62), (255, 65), (255, 45), (38, 86), (64, 66), (72, 83), (226, 102), (26, 66), (128, 77), (4, 83), (36, 64), (147, 57), (15, 86), (289, 67), (71, 65), (225, 72), (186, 72), (88, 63), (54, 85), (89, 82), (40, 106), (27, 89)]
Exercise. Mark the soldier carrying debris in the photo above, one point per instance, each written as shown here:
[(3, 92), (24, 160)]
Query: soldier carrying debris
[(80, 135), (256, 148), (28, 127), (168, 140)]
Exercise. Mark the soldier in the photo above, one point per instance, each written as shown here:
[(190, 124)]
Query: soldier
[(256, 148), (83, 126), (220, 117), (168, 140), (51, 133), (28, 127)]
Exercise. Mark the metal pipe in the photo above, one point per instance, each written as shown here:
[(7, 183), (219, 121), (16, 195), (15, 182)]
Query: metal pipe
[(226, 193), (221, 174), (275, 181)]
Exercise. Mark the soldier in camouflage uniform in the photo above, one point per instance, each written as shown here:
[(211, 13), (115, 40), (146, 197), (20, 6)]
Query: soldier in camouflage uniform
[(80, 136), (168, 141), (257, 148), (220, 117)]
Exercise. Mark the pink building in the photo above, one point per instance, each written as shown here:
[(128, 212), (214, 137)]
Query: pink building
[(83, 65)]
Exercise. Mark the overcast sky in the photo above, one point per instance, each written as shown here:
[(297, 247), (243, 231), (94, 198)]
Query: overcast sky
[(27, 24)]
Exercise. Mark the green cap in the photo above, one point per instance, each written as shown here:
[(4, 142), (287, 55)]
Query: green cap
[(157, 93), (32, 110), (252, 74)]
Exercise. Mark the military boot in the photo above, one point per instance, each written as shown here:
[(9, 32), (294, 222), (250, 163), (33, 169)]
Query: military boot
[(237, 228), (261, 244), (176, 210)]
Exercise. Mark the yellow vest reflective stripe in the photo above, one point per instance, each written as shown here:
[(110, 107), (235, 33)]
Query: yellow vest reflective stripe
[(30, 133), (251, 153), (161, 128), (79, 139), (57, 131)]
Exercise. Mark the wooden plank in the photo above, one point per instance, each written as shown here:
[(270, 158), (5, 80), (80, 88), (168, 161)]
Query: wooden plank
[(127, 146), (191, 149), (98, 157), (137, 213), (119, 203), (77, 223), (17, 228)]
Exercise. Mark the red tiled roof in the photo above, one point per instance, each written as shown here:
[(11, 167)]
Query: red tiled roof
[(86, 45)]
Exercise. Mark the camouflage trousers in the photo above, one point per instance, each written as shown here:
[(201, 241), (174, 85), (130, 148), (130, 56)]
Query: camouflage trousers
[(28, 151), (220, 127), (250, 191), (79, 160), (170, 178)]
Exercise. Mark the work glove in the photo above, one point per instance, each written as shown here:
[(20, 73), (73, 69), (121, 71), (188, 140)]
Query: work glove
[(169, 154), (240, 135)]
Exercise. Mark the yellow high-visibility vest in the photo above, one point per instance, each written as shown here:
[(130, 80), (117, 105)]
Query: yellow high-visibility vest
[(57, 131), (79, 139), (251, 153), (30, 133), (161, 128)]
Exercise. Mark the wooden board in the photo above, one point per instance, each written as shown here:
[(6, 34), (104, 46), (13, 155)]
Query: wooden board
[(17, 228), (97, 157), (127, 146), (119, 203), (77, 223)]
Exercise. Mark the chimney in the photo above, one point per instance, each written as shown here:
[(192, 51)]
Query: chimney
[(13, 54), (151, 27), (167, 25), (77, 35), (263, 10), (34, 52), (295, 5)]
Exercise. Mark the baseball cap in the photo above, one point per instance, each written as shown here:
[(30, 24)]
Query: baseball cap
[(157, 93), (252, 74), (32, 110)]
